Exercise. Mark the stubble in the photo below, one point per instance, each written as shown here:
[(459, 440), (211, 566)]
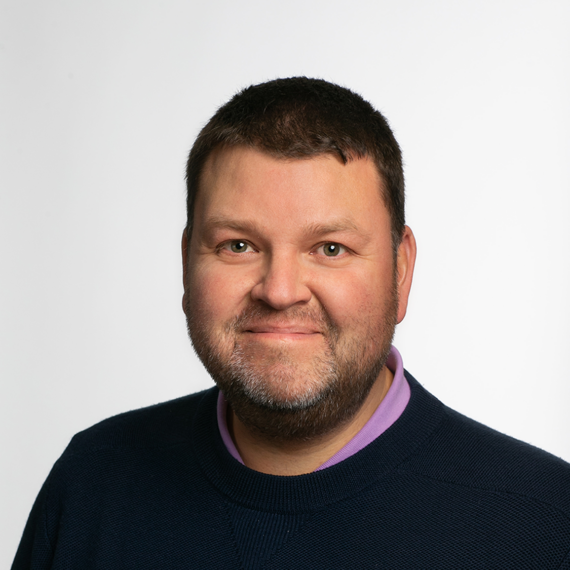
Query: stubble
[(281, 398)]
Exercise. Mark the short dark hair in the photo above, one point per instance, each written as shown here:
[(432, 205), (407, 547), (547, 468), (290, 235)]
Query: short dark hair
[(297, 118)]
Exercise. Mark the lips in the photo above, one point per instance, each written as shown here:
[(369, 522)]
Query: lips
[(282, 330), (303, 322)]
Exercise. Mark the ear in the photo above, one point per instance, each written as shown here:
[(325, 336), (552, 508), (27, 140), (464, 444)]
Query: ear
[(405, 265), (184, 263)]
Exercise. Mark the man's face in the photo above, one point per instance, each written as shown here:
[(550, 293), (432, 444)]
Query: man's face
[(291, 291)]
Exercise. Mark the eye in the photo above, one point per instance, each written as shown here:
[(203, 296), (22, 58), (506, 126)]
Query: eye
[(331, 249), (238, 246)]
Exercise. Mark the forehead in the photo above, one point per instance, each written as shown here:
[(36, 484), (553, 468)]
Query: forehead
[(239, 180)]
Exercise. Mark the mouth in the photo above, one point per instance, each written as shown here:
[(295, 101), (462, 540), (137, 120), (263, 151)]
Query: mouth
[(286, 332)]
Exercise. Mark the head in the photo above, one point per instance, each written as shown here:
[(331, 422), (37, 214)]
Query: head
[(297, 262), (301, 118)]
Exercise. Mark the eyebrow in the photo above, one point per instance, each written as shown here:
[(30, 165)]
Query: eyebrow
[(250, 226), (222, 222), (340, 225)]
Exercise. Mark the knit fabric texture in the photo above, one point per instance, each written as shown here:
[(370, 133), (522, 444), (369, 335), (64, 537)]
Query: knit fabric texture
[(157, 488)]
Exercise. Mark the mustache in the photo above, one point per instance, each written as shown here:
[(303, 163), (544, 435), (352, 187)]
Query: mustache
[(256, 315)]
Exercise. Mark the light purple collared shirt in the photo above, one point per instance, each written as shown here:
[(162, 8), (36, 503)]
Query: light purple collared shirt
[(389, 410)]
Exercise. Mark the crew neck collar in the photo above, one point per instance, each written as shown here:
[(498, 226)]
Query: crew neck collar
[(387, 412), (304, 493)]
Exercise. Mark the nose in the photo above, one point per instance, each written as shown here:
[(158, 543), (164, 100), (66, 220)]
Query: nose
[(282, 282)]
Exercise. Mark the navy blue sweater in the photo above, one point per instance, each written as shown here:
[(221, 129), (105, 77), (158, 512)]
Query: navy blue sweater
[(156, 488)]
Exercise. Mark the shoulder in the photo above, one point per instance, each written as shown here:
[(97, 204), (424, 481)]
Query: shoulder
[(462, 451), (140, 446), (161, 425), (111, 469)]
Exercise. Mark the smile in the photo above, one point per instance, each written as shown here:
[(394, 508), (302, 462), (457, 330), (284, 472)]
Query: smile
[(290, 333)]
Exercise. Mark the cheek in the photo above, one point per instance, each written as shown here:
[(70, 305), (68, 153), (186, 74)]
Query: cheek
[(344, 297), (216, 295), (355, 298)]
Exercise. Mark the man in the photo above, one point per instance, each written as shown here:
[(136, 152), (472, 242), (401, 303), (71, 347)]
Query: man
[(315, 450)]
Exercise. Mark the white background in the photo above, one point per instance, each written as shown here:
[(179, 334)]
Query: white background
[(99, 105)]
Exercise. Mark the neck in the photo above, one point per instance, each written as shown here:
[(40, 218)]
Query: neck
[(299, 457)]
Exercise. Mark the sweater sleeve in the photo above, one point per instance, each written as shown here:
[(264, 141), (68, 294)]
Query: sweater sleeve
[(565, 563), (35, 551)]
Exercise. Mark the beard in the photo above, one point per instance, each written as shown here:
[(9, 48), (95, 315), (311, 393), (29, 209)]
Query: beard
[(276, 394)]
